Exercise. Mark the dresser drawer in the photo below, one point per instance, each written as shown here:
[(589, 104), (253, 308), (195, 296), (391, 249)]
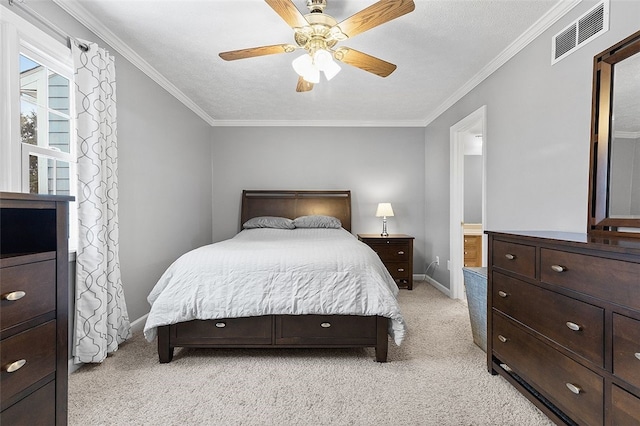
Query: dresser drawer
[(38, 282), (575, 325), (321, 329), (393, 251), (39, 408), (613, 280), (227, 331), (518, 258), (552, 373), (626, 349), (37, 346), (625, 407)]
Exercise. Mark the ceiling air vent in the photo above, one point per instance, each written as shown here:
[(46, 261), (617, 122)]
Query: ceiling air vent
[(586, 28)]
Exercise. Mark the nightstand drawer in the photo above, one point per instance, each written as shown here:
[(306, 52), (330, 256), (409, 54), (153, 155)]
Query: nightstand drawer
[(33, 286), (626, 349), (573, 324), (573, 388), (398, 270), (514, 257), (32, 355), (396, 251)]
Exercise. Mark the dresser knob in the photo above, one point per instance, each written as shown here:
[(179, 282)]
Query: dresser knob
[(637, 354), (502, 338), (502, 294), (573, 326), (221, 324), (558, 268), (573, 388), (14, 366), (325, 324), (400, 253), (510, 256), (14, 295)]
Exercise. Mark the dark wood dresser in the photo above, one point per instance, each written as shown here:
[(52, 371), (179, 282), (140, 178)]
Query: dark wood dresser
[(34, 309), (396, 252), (563, 323)]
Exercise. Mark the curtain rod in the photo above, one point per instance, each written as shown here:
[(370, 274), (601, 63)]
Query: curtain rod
[(29, 11)]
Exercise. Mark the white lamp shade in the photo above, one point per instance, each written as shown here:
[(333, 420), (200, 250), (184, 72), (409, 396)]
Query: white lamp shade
[(384, 209), (331, 70)]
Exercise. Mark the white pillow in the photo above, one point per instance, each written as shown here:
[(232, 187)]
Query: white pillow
[(268, 222), (317, 221)]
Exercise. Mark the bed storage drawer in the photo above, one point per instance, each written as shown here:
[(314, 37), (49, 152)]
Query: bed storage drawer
[(570, 386), (324, 329), (518, 258), (227, 331), (571, 323), (27, 291)]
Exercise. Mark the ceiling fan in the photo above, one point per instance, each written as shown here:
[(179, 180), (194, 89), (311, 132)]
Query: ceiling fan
[(319, 33)]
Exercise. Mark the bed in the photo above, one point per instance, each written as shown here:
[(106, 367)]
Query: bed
[(315, 287)]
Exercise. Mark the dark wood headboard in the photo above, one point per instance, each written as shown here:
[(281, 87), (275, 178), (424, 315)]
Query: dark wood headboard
[(294, 204)]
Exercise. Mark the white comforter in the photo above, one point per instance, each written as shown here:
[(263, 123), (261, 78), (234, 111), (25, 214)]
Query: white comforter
[(273, 271)]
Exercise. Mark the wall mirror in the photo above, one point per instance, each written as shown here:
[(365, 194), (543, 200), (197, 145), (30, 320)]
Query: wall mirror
[(614, 186)]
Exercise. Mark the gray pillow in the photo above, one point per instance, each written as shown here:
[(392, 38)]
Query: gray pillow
[(317, 221), (269, 222)]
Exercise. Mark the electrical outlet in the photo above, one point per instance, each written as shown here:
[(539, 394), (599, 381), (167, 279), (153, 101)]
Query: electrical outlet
[(448, 265), (438, 260)]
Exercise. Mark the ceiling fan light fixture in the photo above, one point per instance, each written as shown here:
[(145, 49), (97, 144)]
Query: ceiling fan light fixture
[(312, 75), (302, 64), (331, 70)]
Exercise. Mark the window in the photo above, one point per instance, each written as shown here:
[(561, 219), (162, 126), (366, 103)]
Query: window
[(37, 131)]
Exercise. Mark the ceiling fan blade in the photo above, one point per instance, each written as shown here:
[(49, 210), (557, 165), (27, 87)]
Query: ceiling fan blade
[(303, 85), (374, 15), (364, 62), (289, 12), (257, 51)]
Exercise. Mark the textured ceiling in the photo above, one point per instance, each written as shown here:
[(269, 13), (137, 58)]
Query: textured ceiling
[(439, 48)]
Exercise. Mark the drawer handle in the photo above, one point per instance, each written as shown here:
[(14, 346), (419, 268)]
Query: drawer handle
[(573, 326), (400, 269), (325, 324), (573, 388), (510, 256), (14, 295), (637, 354), (400, 253), (502, 338), (221, 324), (15, 366), (502, 294), (558, 268)]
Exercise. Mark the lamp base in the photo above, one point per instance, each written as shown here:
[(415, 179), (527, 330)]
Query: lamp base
[(384, 227)]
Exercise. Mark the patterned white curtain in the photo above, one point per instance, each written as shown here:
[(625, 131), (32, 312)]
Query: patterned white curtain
[(101, 318)]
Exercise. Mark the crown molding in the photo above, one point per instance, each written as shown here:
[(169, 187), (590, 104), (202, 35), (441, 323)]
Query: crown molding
[(76, 10), (551, 17), (317, 123)]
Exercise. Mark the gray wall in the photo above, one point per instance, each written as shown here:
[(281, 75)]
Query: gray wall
[(537, 137), (473, 188), (164, 172), (376, 164)]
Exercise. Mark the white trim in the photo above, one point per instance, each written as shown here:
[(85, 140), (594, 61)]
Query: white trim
[(138, 325), (551, 17), (456, 191), (626, 135), (438, 286), (75, 9)]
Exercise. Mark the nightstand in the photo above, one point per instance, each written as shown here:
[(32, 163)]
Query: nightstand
[(396, 252)]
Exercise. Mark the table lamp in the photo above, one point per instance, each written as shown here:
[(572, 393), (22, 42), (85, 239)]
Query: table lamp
[(384, 210)]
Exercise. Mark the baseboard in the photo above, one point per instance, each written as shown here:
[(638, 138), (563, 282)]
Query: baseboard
[(438, 286), (136, 326)]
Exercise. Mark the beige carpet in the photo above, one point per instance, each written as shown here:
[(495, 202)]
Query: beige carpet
[(436, 377)]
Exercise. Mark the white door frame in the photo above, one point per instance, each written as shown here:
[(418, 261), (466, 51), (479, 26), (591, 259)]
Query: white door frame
[(456, 187)]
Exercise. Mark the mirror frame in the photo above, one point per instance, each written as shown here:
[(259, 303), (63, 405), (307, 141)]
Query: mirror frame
[(603, 65)]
